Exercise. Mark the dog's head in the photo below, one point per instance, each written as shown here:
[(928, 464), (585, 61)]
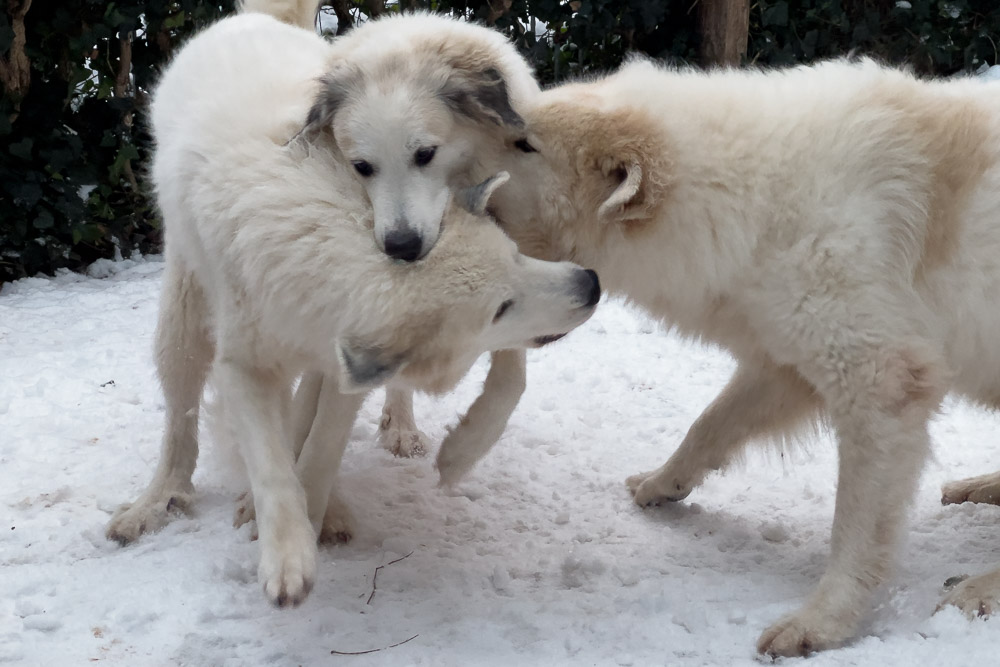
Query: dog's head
[(412, 121), (473, 293), (585, 174)]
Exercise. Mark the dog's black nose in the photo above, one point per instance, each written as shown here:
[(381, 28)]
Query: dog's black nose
[(405, 245), (591, 286)]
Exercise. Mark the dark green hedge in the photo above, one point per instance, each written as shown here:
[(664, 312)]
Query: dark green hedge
[(71, 172), (72, 185)]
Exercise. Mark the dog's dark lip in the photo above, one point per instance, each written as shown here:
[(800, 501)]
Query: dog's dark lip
[(545, 340)]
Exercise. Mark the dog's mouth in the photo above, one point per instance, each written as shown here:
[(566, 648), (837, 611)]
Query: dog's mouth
[(545, 340)]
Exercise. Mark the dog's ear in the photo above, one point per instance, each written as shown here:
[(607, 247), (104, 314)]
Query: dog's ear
[(364, 368), (334, 89), (481, 96), (475, 198), (629, 178)]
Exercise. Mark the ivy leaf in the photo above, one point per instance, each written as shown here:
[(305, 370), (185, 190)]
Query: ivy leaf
[(777, 14), (22, 148), (44, 220), (174, 21)]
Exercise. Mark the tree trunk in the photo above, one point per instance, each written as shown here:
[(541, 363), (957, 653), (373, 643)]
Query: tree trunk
[(497, 8), (375, 8), (342, 8), (122, 82), (725, 25), (15, 68)]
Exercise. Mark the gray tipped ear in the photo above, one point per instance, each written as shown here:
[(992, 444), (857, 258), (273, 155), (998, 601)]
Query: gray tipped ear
[(363, 369), (630, 181), (482, 97), (475, 198), (334, 90)]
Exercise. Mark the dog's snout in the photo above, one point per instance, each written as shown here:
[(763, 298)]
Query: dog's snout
[(591, 286), (403, 244)]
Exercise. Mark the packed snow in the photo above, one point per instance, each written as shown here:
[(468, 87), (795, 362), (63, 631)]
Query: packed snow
[(538, 558)]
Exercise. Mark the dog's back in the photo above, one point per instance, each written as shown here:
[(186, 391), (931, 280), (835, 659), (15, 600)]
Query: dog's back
[(300, 13)]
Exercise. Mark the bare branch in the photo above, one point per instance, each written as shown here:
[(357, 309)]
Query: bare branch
[(375, 576), (373, 650)]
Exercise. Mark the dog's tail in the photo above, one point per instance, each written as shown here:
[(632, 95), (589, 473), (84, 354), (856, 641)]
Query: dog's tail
[(301, 13)]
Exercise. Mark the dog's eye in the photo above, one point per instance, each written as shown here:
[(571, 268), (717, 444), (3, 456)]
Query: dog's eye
[(523, 146), (423, 156), (364, 168), (503, 309)]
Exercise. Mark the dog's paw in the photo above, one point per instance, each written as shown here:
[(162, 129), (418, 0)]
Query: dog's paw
[(654, 487), (456, 456), (804, 632), (245, 512), (975, 596), (982, 489), (288, 562), (403, 443), (145, 516), (338, 523)]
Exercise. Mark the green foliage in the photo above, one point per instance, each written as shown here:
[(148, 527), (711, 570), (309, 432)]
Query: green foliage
[(932, 36), (72, 184), (71, 178), (566, 38)]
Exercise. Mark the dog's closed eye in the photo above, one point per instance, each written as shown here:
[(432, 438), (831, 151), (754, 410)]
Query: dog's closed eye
[(503, 309), (523, 146)]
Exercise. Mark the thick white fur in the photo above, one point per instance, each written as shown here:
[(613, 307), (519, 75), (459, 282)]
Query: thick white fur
[(396, 74), (396, 69), (301, 13), (834, 227), (420, 80), (271, 271)]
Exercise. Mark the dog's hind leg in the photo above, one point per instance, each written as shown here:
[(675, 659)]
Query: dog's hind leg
[(982, 489), (398, 431), (879, 391), (761, 400), (975, 596), (480, 428), (980, 595), (184, 353)]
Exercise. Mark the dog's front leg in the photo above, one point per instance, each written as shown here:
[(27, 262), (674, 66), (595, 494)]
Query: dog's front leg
[(304, 406), (320, 427), (879, 402), (257, 406), (320, 459), (486, 419), (762, 399)]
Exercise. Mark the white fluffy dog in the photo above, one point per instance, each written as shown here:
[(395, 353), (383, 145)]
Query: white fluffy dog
[(271, 270), (414, 102), (835, 228)]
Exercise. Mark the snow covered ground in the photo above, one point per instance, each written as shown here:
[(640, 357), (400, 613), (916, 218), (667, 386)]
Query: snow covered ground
[(539, 558)]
